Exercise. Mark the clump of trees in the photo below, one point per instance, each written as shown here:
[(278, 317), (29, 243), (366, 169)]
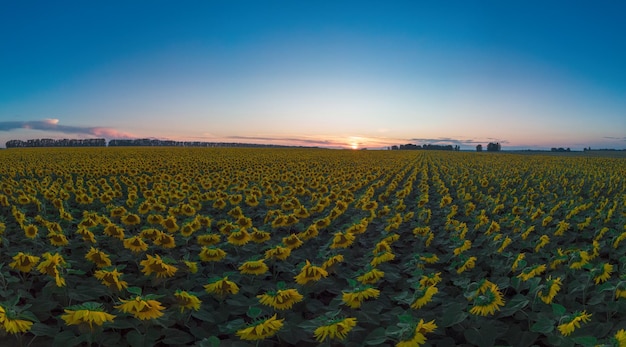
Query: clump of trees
[(410, 146), (491, 147), (56, 143), (125, 142)]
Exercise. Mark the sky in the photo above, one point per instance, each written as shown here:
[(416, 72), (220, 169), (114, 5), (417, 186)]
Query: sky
[(338, 74)]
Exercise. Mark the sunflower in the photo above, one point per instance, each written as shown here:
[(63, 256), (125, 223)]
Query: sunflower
[(278, 252), (424, 296), (98, 257), (88, 313), (467, 265), (111, 279), (208, 239), (239, 237), (430, 280), (187, 301), (212, 254), (531, 272), (330, 262), (543, 241), (131, 219), (31, 231), (87, 235), (310, 273), (165, 240), (158, 266), (371, 277), (24, 262), (355, 298), (553, 286), (382, 258), (253, 267), (336, 329), (192, 266), (573, 322), (141, 308), (222, 287), (115, 231), (244, 222), (155, 219), (467, 244), (488, 300), (170, 224), (620, 338), (261, 329), (281, 299), (310, 233), (259, 236), (605, 273), (342, 240), (135, 244), (12, 324), (50, 266), (292, 241), (118, 212), (419, 334), (518, 260)]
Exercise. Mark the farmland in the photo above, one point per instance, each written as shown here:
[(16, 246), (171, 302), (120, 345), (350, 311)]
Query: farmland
[(268, 247)]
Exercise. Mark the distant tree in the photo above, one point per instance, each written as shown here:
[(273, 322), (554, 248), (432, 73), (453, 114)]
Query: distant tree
[(493, 147), (479, 148)]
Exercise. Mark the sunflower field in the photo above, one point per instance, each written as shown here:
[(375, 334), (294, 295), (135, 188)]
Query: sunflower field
[(278, 247)]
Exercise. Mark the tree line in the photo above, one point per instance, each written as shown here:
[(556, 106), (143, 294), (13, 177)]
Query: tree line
[(125, 142)]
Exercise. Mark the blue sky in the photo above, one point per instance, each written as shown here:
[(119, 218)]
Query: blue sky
[(329, 73)]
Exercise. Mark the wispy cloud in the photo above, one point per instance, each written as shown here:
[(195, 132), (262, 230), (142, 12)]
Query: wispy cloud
[(53, 125), (615, 138), (453, 141)]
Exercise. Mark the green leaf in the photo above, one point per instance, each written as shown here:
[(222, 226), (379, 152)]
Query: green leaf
[(586, 341), (376, 337), (453, 314), (135, 339), (39, 329), (204, 316), (65, 338), (543, 325), (558, 309), (176, 337), (482, 337), (210, 342), (134, 290), (517, 303), (254, 312)]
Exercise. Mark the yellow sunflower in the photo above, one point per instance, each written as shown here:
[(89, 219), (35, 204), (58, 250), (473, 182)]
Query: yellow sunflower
[(222, 287), (261, 329), (24, 262), (158, 266), (98, 257), (111, 279), (310, 273), (141, 308), (281, 299), (336, 329), (88, 313), (187, 301), (253, 267)]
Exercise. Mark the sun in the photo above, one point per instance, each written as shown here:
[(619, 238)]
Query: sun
[(354, 145)]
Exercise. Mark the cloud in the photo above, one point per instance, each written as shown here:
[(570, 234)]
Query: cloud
[(53, 125), (288, 140), (452, 141), (615, 138)]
